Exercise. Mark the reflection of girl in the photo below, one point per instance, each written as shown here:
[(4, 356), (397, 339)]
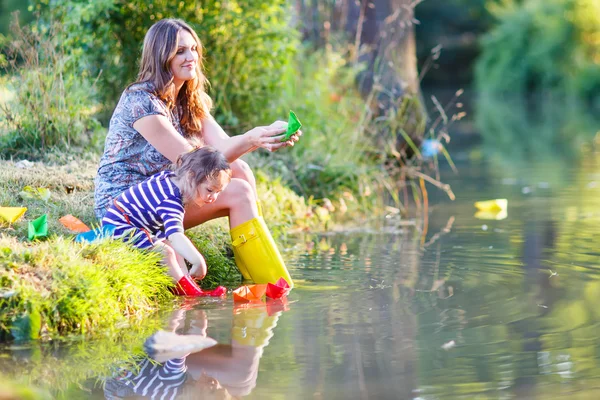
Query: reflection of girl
[(148, 131), (217, 371)]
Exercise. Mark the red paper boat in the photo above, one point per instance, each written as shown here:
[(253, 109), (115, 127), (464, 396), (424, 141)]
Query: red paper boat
[(279, 289), (248, 293)]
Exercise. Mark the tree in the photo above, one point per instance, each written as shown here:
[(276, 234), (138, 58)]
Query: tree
[(381, 36)]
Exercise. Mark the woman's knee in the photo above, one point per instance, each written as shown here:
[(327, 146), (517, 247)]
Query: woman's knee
[(238, 190), (241, 170)]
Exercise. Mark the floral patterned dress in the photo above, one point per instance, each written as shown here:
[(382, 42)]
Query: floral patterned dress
[(128, 158)]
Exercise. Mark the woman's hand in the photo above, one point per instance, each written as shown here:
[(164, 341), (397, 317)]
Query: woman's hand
[(269, 137), (293, 139)]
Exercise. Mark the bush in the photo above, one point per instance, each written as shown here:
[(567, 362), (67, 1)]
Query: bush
[(541, 45), (51, 105), (539, 77), (331, 156)]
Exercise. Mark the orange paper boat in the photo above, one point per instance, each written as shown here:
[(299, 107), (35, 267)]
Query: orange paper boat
[(248, 293), (279, 289), (74, 224)]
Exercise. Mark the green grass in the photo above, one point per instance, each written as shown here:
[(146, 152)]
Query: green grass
[(58, 287)]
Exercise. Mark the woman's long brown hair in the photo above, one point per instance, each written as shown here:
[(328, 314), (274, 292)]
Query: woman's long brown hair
[(160, 47)]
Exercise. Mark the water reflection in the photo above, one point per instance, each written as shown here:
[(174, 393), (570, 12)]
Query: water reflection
[(185, 363), (489, 309)]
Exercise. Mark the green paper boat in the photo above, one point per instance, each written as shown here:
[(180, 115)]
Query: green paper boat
[(38, 228), (293, 125)]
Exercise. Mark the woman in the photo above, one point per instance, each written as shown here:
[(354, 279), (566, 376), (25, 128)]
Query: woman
[(150, 128)]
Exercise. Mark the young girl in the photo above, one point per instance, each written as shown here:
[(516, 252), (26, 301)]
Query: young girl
[(150, 214)]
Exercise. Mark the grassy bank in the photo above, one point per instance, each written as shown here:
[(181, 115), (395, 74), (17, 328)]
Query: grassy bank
[(57, 287)]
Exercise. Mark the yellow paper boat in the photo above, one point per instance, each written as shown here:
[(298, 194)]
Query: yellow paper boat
[(11, 214), (492, 205), (493, 215)]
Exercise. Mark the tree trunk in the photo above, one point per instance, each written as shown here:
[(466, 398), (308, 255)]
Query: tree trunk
[(382, 35)]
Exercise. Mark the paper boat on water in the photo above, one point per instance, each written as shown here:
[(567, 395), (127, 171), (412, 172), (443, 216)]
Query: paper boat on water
[(492, 205), (278, 289), (249, 293)]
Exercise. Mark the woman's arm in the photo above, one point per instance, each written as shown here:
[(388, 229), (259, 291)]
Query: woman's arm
[(160, 133), (267, 137)]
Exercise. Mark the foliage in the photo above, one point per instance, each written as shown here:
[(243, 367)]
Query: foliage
[(516, 129), (330, 157), (246, 45), (51, 106), (7, 9), (213, 241), (540, 45), (538, 76)]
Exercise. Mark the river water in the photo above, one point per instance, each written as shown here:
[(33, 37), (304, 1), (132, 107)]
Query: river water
[(498, 308)]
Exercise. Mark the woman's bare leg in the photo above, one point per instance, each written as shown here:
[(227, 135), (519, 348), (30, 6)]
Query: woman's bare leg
[(241, 170), (237, 201)]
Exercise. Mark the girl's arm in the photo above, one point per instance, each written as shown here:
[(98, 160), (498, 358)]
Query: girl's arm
[(183, 246), (267, 137)]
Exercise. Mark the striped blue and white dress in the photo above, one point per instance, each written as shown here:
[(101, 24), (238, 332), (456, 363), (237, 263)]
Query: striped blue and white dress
[(147, 212), (152, 380)]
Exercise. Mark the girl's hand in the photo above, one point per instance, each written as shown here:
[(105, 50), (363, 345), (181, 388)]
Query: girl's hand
[(269, 137), (198, 270)]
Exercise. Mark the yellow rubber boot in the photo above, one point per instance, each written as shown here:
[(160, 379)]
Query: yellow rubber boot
[(256, 253), (238, 260)]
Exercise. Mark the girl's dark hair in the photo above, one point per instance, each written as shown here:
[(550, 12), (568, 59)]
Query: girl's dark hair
[(197, 166)]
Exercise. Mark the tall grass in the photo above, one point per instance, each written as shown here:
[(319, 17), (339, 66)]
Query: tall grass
[(51, 107)]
